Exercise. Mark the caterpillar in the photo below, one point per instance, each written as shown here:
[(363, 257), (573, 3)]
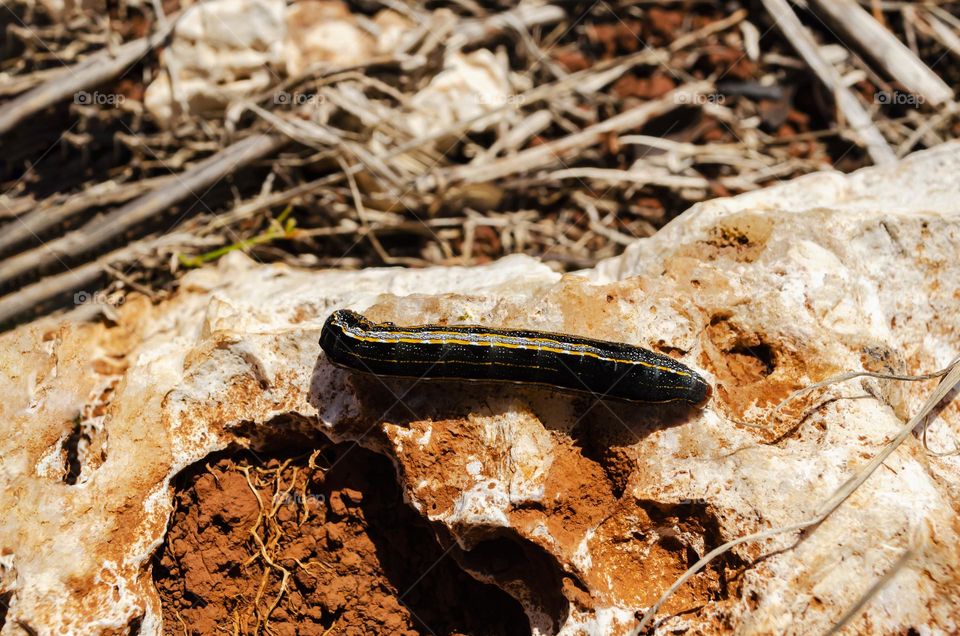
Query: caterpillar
[(471, 352)]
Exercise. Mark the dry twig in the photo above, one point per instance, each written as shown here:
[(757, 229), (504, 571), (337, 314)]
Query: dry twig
[(101, 230), (950, 381), (93, 71), (895, 58), (860, 121)]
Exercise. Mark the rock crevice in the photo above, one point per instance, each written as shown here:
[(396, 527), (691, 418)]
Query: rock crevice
[(584, 511)]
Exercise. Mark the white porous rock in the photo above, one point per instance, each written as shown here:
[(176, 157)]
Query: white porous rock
[(470, 85), (228, 49), (220, 49), (605, 503), (324, 32)]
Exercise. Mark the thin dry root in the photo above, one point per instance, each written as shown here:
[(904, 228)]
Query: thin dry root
[(949, 382)]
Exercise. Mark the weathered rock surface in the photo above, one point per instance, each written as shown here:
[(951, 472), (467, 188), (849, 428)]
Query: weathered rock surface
[(583, 511), (226, 49)]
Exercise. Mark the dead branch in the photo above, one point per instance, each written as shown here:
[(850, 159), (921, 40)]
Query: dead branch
[(101, 230), (552, 153), (60, 208), (80, 278), (884, 47), (93, 71), (480, 29), (860, 121)]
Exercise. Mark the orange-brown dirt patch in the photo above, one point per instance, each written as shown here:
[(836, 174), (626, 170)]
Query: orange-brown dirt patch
[(740, 237), (645, 547), (311, 544), (750, 368)]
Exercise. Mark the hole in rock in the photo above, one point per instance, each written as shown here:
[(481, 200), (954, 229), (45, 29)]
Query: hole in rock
[(671, 529), (753, 361), (750, 369), (747, 357), (71, 454), (4, 607), (84, 450), (523, 566), (304, 536)]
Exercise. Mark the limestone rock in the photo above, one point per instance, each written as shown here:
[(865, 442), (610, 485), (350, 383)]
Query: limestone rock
[(583, 511), (324, 32), (470, 85), (220, 50), (226, 49)]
